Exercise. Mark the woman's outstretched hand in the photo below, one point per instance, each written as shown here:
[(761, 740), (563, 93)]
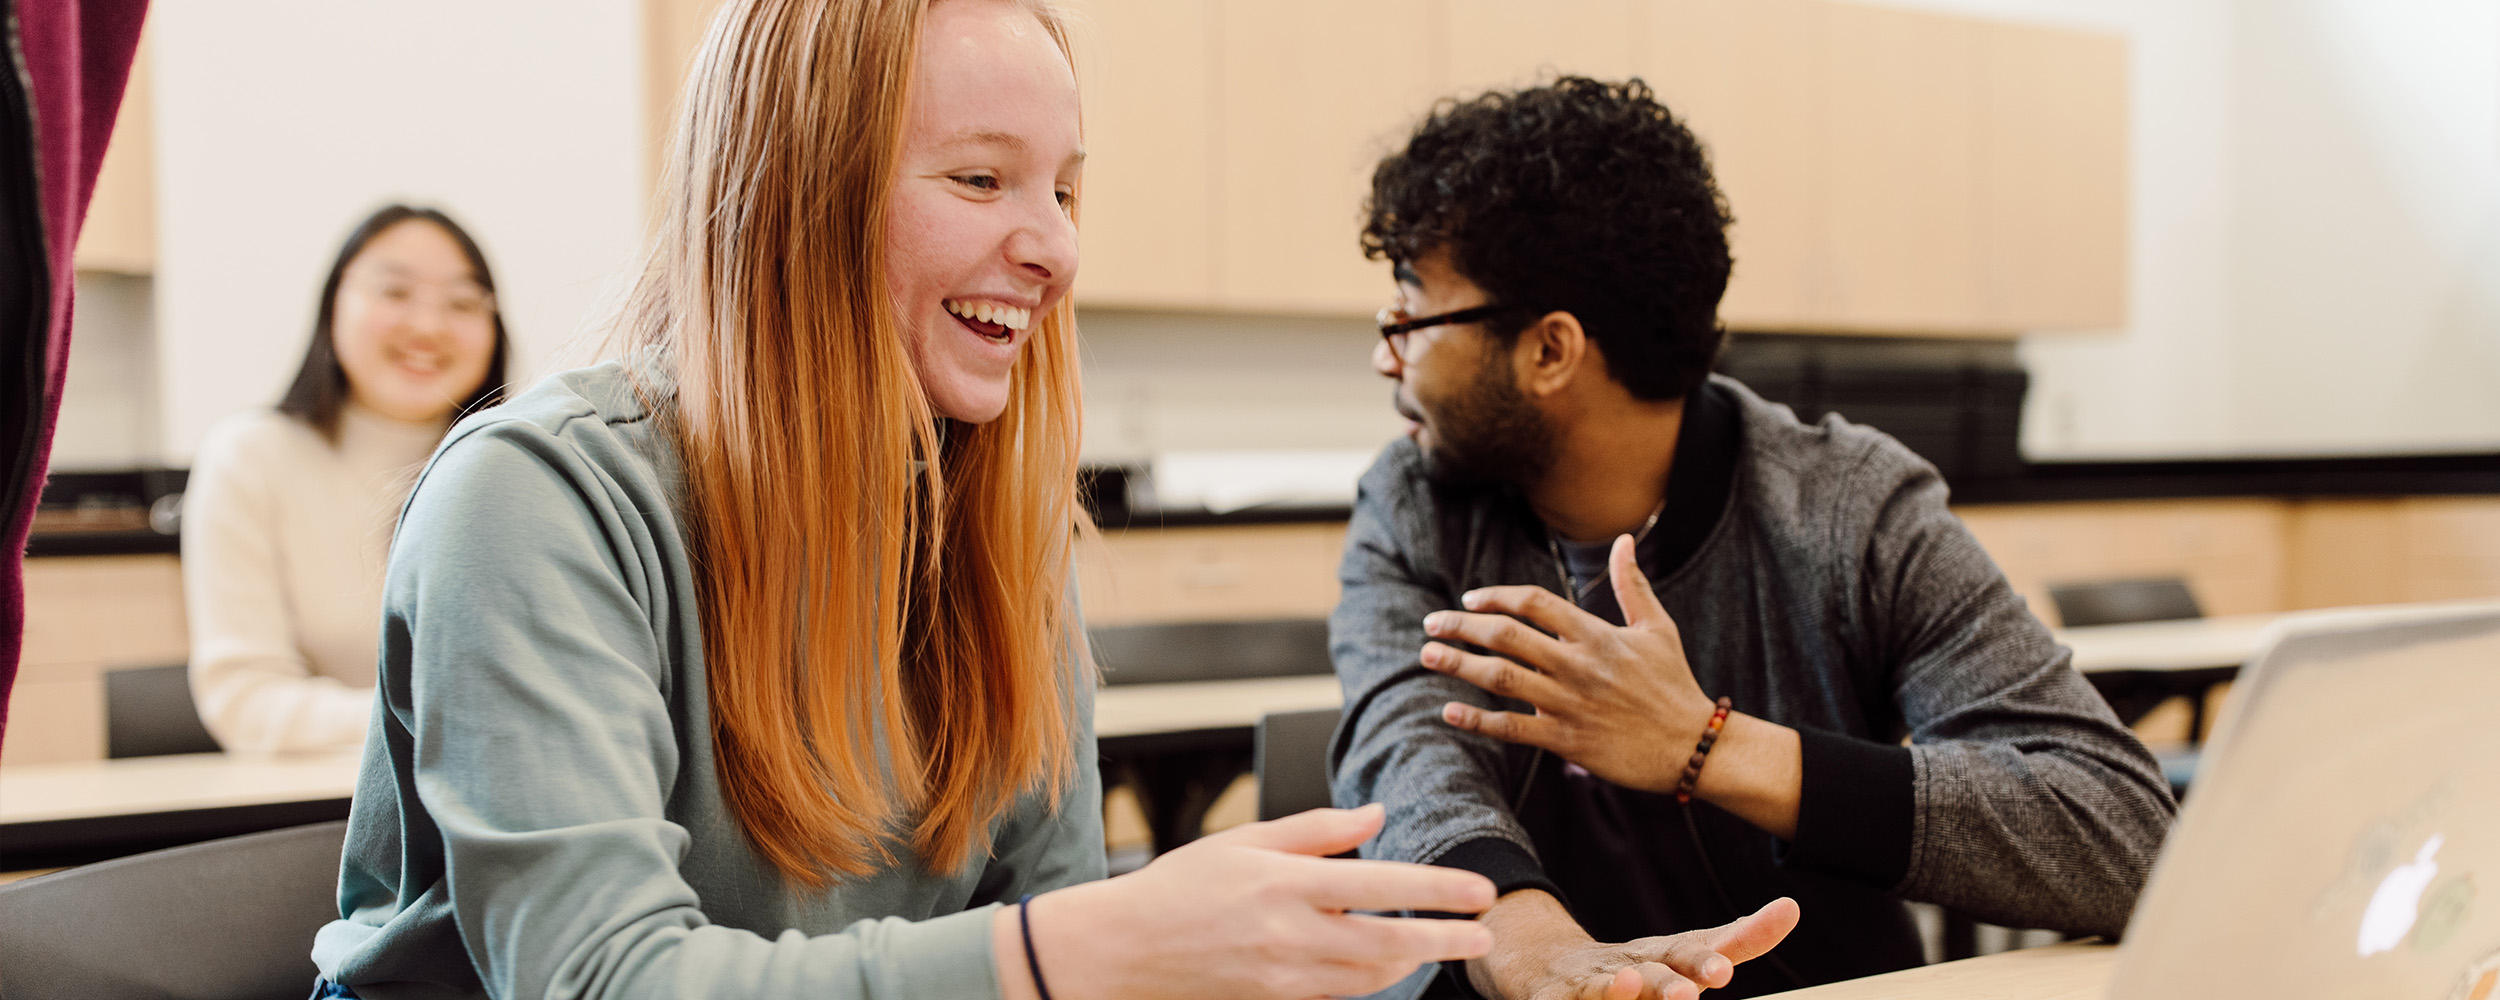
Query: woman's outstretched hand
[(1257, 911)]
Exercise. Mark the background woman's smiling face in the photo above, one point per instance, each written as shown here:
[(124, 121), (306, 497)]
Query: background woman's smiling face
[(979, 239), (413, 328)]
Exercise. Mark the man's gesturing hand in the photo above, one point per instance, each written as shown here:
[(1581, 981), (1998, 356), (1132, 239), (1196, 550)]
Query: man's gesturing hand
[(1620, 702), (1539, 953)]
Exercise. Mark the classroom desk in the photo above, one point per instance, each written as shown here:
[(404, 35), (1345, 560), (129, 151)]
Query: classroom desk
[(2139, 665), (2190, 644), (1189, 739), (2073, 971), (1180, 745), (53, 815)]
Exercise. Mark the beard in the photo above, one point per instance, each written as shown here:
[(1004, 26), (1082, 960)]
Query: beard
[(1489, 435)]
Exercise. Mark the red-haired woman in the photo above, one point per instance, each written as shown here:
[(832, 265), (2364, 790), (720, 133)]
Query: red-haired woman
[(746, 665)]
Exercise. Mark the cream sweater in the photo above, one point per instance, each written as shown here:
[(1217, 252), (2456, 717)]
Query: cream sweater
[(284, 538)]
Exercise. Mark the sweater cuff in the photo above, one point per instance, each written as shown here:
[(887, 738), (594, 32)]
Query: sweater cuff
[(1854, 809), (1509, 865), (1511, 868)]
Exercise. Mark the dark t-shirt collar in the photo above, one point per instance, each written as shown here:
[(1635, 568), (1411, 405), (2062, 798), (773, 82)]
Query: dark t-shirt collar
[(1697, 490)]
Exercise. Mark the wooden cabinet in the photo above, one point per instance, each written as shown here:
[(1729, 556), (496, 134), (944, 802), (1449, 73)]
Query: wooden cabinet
[(2230, 550), (2053, 179), (1746, 76), (86, 615), (2374, 551), (1900, 170), (2253, 554), (1890, 171), (1504, 43), (1896, 171), (1233, 573), (1146, 216), (1302, 117), (672, 32), (119, 234)]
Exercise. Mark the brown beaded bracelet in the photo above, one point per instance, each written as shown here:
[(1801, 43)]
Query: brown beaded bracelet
[(1709, 737)]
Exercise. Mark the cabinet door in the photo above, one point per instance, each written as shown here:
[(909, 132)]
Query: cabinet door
[(2053, 194), (1313, 94), (1900, 171), (120, 232), (1747, 77), (1146, 215), (672, 32), (1505, 43), (1237, 573)]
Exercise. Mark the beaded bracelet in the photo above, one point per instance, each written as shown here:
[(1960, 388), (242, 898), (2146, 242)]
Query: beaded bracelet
[(1709, 737), (1032, 962)]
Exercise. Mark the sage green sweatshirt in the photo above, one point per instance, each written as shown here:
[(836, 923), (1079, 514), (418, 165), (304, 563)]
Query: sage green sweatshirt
[(540, 814)]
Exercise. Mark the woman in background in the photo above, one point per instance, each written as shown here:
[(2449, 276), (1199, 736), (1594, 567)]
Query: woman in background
[(287, 517)]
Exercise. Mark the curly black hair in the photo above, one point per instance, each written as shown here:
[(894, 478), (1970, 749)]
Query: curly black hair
[(1578, 196)]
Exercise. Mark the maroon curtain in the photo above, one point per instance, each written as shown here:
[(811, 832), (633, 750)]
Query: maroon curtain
[(73, 60)]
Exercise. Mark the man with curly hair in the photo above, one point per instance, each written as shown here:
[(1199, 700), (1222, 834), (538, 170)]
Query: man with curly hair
[(1650, 652)]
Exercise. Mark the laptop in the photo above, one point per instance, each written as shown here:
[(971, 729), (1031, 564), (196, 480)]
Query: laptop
[(2343, 838)]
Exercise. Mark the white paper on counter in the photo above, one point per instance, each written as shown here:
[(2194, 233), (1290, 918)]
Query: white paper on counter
[(1225, 481)]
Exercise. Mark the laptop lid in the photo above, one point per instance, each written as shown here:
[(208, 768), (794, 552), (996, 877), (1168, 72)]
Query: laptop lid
[(2343, 837)]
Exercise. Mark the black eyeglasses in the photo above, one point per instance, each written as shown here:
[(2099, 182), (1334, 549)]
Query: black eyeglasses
[(1394, 328)]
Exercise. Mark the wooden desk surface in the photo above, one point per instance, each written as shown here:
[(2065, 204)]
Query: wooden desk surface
[(1137, 709), (2192, 644), (2074, 971), (39, 793), (33, 793), (2228, 641)]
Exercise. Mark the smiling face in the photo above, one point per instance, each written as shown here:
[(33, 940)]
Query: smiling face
[(413, 328), (979, 240)]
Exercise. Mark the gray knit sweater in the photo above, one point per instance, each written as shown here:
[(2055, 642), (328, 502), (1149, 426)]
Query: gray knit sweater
[(1821, 583)]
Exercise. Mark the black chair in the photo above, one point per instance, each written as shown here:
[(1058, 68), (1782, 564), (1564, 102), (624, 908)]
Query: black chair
[(1292, 767), (148, 712), (1177, 776), (2132, 693), (1290, 758), (1211, 651), (227, 919), (2117, 602)]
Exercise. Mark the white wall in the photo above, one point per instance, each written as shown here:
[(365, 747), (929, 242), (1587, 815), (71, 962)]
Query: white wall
[(2316, 233), (2366, 225), (281, 123)]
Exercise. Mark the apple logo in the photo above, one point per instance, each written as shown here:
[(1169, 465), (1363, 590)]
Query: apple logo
[(2393, 907)]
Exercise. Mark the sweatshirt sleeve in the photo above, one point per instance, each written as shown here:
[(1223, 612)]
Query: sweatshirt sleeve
[(525, 637), (1443, 787), (253, 688), (2031, 805)]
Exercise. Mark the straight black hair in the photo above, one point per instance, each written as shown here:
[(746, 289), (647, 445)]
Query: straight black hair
[(320, 388)]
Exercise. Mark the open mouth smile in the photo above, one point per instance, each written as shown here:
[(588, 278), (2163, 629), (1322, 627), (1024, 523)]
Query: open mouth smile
[(996, 322)]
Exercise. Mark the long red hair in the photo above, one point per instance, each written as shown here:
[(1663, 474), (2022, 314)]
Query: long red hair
[(886, 622)]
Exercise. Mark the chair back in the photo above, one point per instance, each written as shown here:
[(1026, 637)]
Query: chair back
[(228, 919), (1211, 651), (1289, 754), (148, 711), (2117, 602)]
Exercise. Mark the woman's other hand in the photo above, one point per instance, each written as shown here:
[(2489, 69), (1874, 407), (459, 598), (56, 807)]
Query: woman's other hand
[(1258, 911)]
